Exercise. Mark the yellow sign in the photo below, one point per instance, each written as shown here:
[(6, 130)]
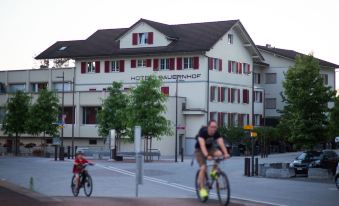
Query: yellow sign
[(60, 126), (248, 127), (254, 134)]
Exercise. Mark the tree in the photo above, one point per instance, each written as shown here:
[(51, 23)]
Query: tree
[(306, 98), (43, 115), (334, 122), (17, 109), (60, 62), (114, 114), (147, 108)]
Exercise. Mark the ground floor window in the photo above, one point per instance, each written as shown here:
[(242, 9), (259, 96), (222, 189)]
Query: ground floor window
[(270, 103), (92, 141), (49, 141), (69, 115)]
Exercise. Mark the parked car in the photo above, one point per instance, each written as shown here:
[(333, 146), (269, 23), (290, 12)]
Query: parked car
[(326, 159), (336, 178)]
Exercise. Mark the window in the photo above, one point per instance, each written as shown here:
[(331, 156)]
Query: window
[(17, 87), (92, 141), (2, 88), (234, 67), (224, 119), (215, 64), (235, 95), (69, 115), (57, 86), (90, 67), (89, 115), (213, 93), (213, 116), (230, 38), (325, 78), (36, 87), (234, 119), (164, 64), (49, 141), (2, 114), (141, 63), (62, 48), (271, 78), (165, 90), (256, 78), (258, 96), (188, 62), (270, 103), (241, 120), (142, 38), (115, 66), (257, 119)]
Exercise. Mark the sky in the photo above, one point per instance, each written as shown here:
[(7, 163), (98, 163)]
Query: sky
[(27, 27)]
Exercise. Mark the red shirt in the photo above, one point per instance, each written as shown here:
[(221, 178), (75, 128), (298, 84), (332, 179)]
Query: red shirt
[(78, 162)]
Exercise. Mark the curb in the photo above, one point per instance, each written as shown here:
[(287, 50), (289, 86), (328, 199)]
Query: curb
[(27, 193)]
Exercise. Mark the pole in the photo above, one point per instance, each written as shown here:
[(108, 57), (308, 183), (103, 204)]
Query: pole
[(139, 159), (252, 121), (176, 121), (61, 155), (73, 113)]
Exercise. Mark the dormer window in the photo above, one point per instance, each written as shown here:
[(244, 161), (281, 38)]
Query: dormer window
[(144, 38), (62, 48)]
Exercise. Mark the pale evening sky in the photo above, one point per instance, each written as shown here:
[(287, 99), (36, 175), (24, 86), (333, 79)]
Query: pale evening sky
[(27, 27)]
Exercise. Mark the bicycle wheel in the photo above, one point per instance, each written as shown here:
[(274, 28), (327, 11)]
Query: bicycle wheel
[(197, 186), (223, 189), (88, 185), (74, 188)]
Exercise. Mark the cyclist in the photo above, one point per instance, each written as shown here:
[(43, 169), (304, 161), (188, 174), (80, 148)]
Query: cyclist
[(209, 144), (78, 166)]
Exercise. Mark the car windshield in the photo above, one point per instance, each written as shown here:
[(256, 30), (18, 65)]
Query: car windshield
[(309, 156)]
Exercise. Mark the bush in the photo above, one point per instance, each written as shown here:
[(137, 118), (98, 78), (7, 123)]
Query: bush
[(37, 152)]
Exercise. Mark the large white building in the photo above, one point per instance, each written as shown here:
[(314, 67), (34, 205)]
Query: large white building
[(213, 62)]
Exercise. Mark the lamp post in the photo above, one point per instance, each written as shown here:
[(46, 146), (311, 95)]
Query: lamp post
[(73, 114), (61, 154), (252, 138), (176, 120)]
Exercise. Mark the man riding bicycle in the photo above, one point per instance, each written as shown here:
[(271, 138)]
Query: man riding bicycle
[(209, 145)]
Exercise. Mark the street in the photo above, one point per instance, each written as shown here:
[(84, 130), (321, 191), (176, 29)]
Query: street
[(165, 179)]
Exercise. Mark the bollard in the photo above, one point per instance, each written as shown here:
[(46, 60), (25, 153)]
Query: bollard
[(68, 152), (247, 167), (182, 154), (62, 153), (31, 184), (139, 159), (55, 153), (256, 167)]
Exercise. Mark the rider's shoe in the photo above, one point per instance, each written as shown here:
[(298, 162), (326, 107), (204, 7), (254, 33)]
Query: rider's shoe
[(214, 174), (203, 193)]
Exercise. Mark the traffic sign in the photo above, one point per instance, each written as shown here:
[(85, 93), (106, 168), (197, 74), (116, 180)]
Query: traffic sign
[(254, 134), (248, 127)]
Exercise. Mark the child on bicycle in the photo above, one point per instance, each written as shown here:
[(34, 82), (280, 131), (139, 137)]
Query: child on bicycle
[(78, 166)]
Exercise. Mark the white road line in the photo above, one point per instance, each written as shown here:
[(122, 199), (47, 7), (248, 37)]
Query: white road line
[(179, 186)]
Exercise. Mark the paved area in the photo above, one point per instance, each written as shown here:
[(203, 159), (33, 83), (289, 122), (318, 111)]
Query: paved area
[(166, 180)]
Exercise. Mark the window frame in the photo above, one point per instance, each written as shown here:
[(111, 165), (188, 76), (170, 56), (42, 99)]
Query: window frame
[(90, 67), (115, 66), (35, 86), (271, 99), (164, 64), (10, 87), (325, 78), (187, 63), (143, 38), (84, 115), (230, 39), (271, 82), (143, 63)]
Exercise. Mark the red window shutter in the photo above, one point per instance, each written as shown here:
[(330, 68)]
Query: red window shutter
[(244, 95), (229, 66), (237, 67), (106, 66), (195, 62), (165, 90), (248, 68), (223, 94), (238, 95), (122, 66), (240, 68), (171, 63), (83, 67), (155, 64), (229, 94), (148, 62), (179, 63), (220, 64), (150, 38), (97, 67), (133, 63), (134, 38), (210, 63)]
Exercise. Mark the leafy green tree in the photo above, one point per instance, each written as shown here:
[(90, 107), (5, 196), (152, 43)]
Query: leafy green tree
[(114, 114), (147, 108), (334, 121), (17, 113), (306, 98), (233, 135), (43, 115)]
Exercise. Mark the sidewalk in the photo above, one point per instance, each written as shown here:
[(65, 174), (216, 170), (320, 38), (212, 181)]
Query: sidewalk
[(12, 195)]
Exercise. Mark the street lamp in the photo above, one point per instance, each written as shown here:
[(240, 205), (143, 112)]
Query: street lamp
[(176, 119), (61, 151)]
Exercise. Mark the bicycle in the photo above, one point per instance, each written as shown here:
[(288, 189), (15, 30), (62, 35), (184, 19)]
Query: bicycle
[(220, 180), (85, 182)]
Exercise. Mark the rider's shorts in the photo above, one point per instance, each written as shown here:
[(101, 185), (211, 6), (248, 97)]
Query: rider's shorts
[(201, 159)]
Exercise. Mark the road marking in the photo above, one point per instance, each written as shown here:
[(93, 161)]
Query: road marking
[(179, 186), (333, 188)]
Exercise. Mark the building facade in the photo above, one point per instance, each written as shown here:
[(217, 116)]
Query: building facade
[(214, 68)]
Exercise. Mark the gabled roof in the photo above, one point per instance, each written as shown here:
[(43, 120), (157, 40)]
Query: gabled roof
[(194, 37), (291, 54)]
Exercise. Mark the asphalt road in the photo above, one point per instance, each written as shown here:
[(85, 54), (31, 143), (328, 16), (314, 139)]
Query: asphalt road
[(164, 179)]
